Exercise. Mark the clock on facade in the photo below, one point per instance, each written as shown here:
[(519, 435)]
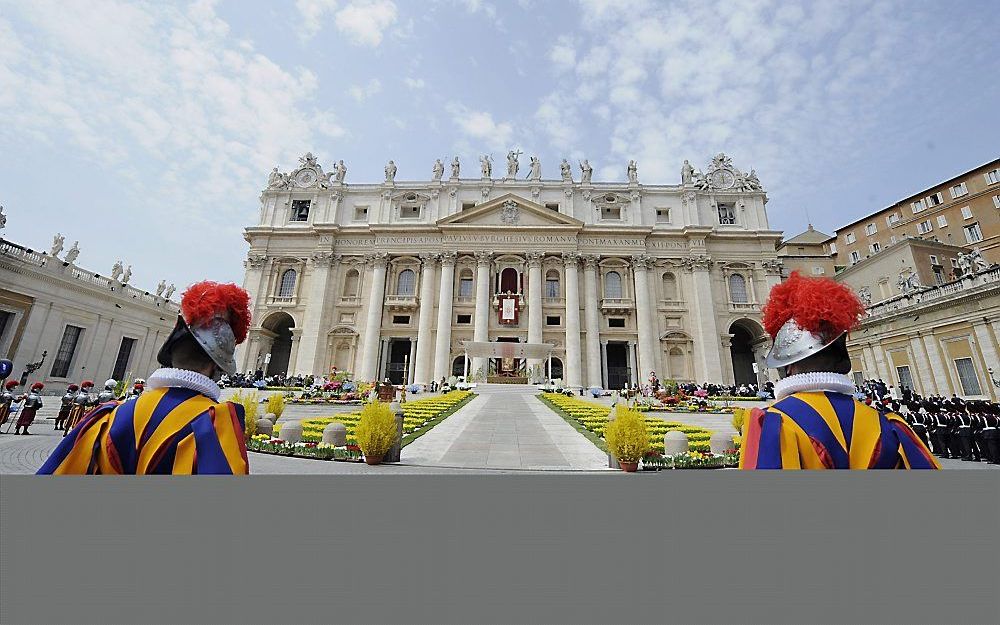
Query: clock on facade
[(305, 177), (723, 179)]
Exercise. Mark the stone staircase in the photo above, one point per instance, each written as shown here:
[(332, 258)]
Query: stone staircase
[(505, 389)]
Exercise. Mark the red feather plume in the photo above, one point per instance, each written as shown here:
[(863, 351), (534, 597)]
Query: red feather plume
[(818, 305), (11, 384), (204, 300)]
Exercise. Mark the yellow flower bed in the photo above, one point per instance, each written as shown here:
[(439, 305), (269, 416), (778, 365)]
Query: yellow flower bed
[(415, 415), (594, 417)]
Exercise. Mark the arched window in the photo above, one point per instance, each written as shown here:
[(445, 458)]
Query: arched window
[(406, 283), (552, 283), (613, 285), (670, 287), (352, 283), (508, 280), (287, 286), (465, 283), (738, 289)]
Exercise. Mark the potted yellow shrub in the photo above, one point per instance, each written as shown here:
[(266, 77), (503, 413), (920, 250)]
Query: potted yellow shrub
[(627, 438), (376, 431)]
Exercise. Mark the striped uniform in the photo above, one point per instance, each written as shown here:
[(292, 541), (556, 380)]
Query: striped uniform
[(828, 430), (163, 431)]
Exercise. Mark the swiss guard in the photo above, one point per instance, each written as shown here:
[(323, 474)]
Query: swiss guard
[(65, 405), (178, 425), (6, 399), (815, 421), (32, 402), (82, 404)]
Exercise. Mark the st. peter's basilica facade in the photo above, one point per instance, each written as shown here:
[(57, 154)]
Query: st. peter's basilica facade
[(621, 279)]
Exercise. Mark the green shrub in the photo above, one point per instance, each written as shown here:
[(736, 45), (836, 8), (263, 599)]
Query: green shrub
[(376, 429), (250, 402), (627, 436)]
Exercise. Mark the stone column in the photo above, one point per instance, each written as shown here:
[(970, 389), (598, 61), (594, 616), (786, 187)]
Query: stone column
[(422, 364), (603, 368), (943, 376), (924, 371), (481, 333), (312, 322), (644, 317), (534, 306), (571, 366), (988, 346), (593, 321), (442, 344), (294, 354), (705, 328), (373, 320), (411, 361), (633, 378)]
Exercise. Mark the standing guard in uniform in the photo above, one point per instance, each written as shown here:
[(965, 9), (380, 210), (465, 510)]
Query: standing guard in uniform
[(991, 434), (81, 405), (815, 422), (32, 402), (964, 431), (108, 394), (65, 405), (918, 421), (137, 388), (6, 399)]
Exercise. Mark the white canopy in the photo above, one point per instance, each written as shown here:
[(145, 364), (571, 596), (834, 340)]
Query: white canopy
[(508, 350)]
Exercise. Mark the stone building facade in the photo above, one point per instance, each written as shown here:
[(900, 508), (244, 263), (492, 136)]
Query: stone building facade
[(86, 325), (623, 279)]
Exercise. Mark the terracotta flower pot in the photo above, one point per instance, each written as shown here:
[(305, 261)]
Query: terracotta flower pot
[(628, 467), (373, 460)]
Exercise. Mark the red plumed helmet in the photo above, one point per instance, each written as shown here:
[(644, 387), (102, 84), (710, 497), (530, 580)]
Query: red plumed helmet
[(37, 386), (73, 387), (87, 384), (11, 384), (204, 301), (819, 305)]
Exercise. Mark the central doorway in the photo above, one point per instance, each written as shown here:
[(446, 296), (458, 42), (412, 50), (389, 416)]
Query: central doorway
[(618, 365), (399, 356), (741, 350), (507, 367)]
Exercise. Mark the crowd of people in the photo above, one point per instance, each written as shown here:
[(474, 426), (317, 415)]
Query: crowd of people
[(951, 427), (653, 387)]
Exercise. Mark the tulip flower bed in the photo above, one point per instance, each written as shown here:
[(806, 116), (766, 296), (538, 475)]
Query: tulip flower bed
[(656, 461), (418, 417), (594, 417)]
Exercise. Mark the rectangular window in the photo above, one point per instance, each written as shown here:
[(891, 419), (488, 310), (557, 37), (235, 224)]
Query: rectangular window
[(552, 288), (967, 376), (464, 320), (934, 259), (967, 212), (5, 319), (859, 378), (727, 214), (611, 212), (833, 248), (954, 262), (818, 271), (892, 240), (905, 380), (924, 227), (892, 219), (942, 221), (67, 348), (616, 322), (959, 190), (918, 206), (468, 205), (875, 247), (850, 238), (996, 202), (663, 215), (300, 210), (938, 275), (124, 355), (401, 319), (360, 213), (935, 200), (973, 233), (552, 206), (465, 287), (870, 229), (409, 212), (552, 321), (992, 177), (855, 257)]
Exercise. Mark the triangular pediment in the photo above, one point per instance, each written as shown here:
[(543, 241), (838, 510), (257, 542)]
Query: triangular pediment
[(510, 211)]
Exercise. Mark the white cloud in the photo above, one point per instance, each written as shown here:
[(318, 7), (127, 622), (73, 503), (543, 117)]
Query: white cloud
[(363, 92), (314, 13), (365, 21), (480, 126), (563, 54), (414, 83), (556, 117)]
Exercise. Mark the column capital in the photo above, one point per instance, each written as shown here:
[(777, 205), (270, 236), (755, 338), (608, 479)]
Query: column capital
[(448, 259), (571, 259), (590, 261), (321, 258), (483, 258), (534, 259), (256, 260), (772, 267), (428, 258), (699, 263), (641, 262), (379, 259)]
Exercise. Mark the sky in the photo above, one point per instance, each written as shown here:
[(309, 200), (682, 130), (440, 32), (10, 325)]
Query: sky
[(146, 131)]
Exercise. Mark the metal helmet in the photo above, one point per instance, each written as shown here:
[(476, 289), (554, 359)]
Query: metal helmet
[(110, 384), (217, 317), (794, 343)]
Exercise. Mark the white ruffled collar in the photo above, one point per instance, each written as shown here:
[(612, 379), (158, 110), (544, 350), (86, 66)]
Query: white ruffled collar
[(183, 378), (813, 381)]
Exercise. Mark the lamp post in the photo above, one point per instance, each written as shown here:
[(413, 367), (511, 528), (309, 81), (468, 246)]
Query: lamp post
[(31, 368), (993, 378)]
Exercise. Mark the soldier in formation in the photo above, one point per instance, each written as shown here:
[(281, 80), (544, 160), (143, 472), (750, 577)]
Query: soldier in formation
[(65, 405), (82, 404), (32, 402), (6, 399), (108, 394)]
